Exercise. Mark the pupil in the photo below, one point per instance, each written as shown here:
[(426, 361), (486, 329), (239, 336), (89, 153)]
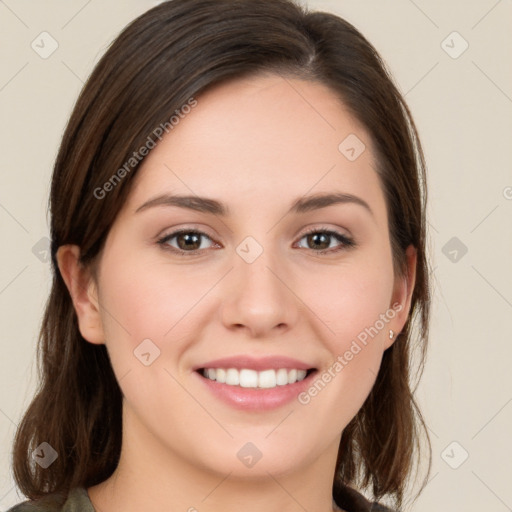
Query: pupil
[(190, 238), (316, 236)]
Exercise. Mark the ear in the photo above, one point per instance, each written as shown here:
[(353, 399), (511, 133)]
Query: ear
[(402, 295), (83, 290)]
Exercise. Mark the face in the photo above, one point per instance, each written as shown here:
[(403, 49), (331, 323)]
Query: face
[(257, 283)]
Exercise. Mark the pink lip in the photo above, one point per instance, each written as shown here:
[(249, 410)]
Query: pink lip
[(255, 399), (258, 364)]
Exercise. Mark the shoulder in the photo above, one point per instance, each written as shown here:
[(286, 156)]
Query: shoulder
[(350, 500), (77, 500)]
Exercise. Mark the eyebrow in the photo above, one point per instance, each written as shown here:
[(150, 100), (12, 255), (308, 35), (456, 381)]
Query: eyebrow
[(206, 205)]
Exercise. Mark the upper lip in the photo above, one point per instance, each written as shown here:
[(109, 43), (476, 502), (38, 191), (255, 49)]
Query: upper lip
[(258, 364)]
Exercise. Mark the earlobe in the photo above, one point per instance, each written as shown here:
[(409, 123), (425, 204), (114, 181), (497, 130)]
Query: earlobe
[(83, 291), (402, 296)]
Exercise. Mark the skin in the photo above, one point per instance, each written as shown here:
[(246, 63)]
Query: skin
[(256, 145)]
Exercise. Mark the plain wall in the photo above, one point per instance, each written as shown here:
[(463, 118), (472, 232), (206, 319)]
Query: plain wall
[(462, 105)]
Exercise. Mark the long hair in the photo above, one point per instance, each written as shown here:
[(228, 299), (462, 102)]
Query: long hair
[(163, 58)]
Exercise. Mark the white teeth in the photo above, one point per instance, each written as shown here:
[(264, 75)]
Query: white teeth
[(247, 378), (282, 377), (220, 375), (267, 379), (232, 377), (301, 374)]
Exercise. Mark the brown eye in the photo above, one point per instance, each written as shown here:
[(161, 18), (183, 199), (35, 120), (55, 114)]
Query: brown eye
[(319, 240), (186, 240)]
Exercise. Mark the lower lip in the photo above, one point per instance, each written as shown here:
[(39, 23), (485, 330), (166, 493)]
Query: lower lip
[(256, 399)]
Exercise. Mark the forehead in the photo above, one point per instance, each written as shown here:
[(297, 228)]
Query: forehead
[(261, 139)]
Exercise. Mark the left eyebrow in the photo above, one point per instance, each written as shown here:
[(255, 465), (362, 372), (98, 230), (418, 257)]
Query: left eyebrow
[(299, 206), (317, 201)]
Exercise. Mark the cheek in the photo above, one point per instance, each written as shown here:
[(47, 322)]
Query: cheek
[(148, 301), (350, 299), (145, 309), (353, 302)]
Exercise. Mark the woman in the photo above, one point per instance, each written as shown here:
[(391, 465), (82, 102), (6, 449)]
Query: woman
[(238, 245)]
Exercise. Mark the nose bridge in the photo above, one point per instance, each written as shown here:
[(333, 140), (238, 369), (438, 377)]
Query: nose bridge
[(259, 298)]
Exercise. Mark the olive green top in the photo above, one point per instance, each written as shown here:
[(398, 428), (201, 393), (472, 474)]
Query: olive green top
[(78, 500)]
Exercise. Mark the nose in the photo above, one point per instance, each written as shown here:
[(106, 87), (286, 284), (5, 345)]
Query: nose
[(259, 298)]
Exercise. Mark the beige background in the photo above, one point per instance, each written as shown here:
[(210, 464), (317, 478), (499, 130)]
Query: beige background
[(463, 108)]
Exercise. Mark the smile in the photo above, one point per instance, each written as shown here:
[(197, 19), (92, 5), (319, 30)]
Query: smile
[(247, 378)]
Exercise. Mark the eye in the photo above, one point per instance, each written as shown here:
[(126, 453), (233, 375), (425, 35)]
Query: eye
[(321, 238), (188, 240)]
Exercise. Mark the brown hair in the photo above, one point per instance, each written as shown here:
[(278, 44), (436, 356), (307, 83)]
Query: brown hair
[(160, 60)]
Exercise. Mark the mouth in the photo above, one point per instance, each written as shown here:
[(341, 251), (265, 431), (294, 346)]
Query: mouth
[(261, 390), (249, 378), (256, 383)]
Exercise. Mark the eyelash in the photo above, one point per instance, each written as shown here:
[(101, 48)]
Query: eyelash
[(346, 242)]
